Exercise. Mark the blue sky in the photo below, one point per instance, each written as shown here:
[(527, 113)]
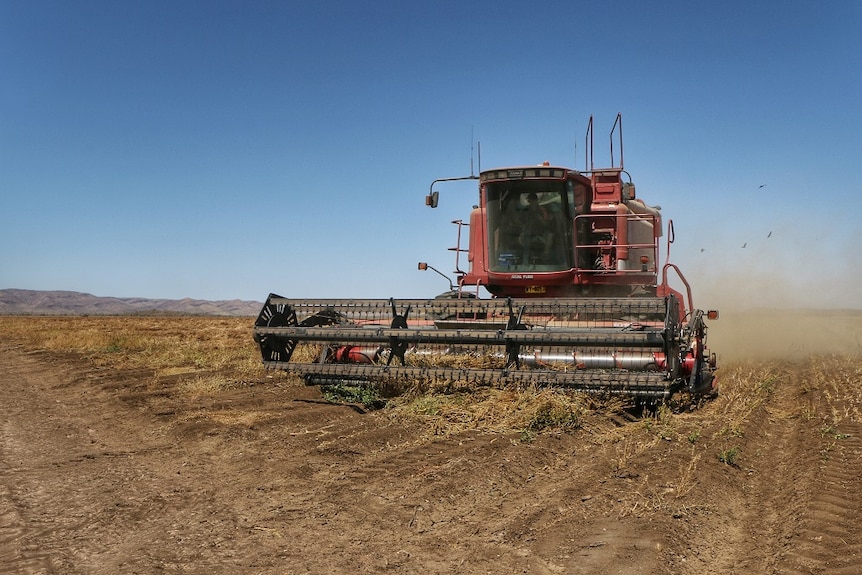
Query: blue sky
[(222, 150)]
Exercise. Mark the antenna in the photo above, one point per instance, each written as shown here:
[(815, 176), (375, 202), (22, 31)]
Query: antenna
[(471, 150), (576, 146)]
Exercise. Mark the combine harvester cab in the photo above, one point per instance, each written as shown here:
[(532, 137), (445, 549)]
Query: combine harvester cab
[(570, 259)]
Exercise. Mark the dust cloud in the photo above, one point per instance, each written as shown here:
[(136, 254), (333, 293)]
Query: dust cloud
[(779, 316), (778, 299), (790, 334)]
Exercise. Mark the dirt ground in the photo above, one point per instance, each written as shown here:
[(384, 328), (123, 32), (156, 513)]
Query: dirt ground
[(118, 471)]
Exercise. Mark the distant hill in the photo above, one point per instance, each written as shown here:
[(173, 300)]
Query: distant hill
[(27, 302)]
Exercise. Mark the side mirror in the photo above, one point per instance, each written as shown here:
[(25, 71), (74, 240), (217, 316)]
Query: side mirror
[(432, 199)]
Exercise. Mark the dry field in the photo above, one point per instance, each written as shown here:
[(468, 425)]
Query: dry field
[(159, 445)]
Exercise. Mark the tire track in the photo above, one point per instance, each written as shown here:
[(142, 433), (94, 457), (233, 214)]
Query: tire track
[(828, 539), (21, 535)]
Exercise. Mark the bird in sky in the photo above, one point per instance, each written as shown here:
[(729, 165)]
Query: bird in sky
[(745, 244), (770, 235)]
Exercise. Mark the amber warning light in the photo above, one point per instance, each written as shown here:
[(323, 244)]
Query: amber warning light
[(644, 262)]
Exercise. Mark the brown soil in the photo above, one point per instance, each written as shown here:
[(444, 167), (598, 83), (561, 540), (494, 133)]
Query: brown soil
[(106, 470)]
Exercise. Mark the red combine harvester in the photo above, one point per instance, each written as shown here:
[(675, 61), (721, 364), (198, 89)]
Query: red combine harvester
[(571, 259)]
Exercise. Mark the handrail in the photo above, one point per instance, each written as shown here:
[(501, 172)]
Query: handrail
[(589, 165), (665, 286), (615, 245), (670, 239), (619, 121), (458, 249)]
